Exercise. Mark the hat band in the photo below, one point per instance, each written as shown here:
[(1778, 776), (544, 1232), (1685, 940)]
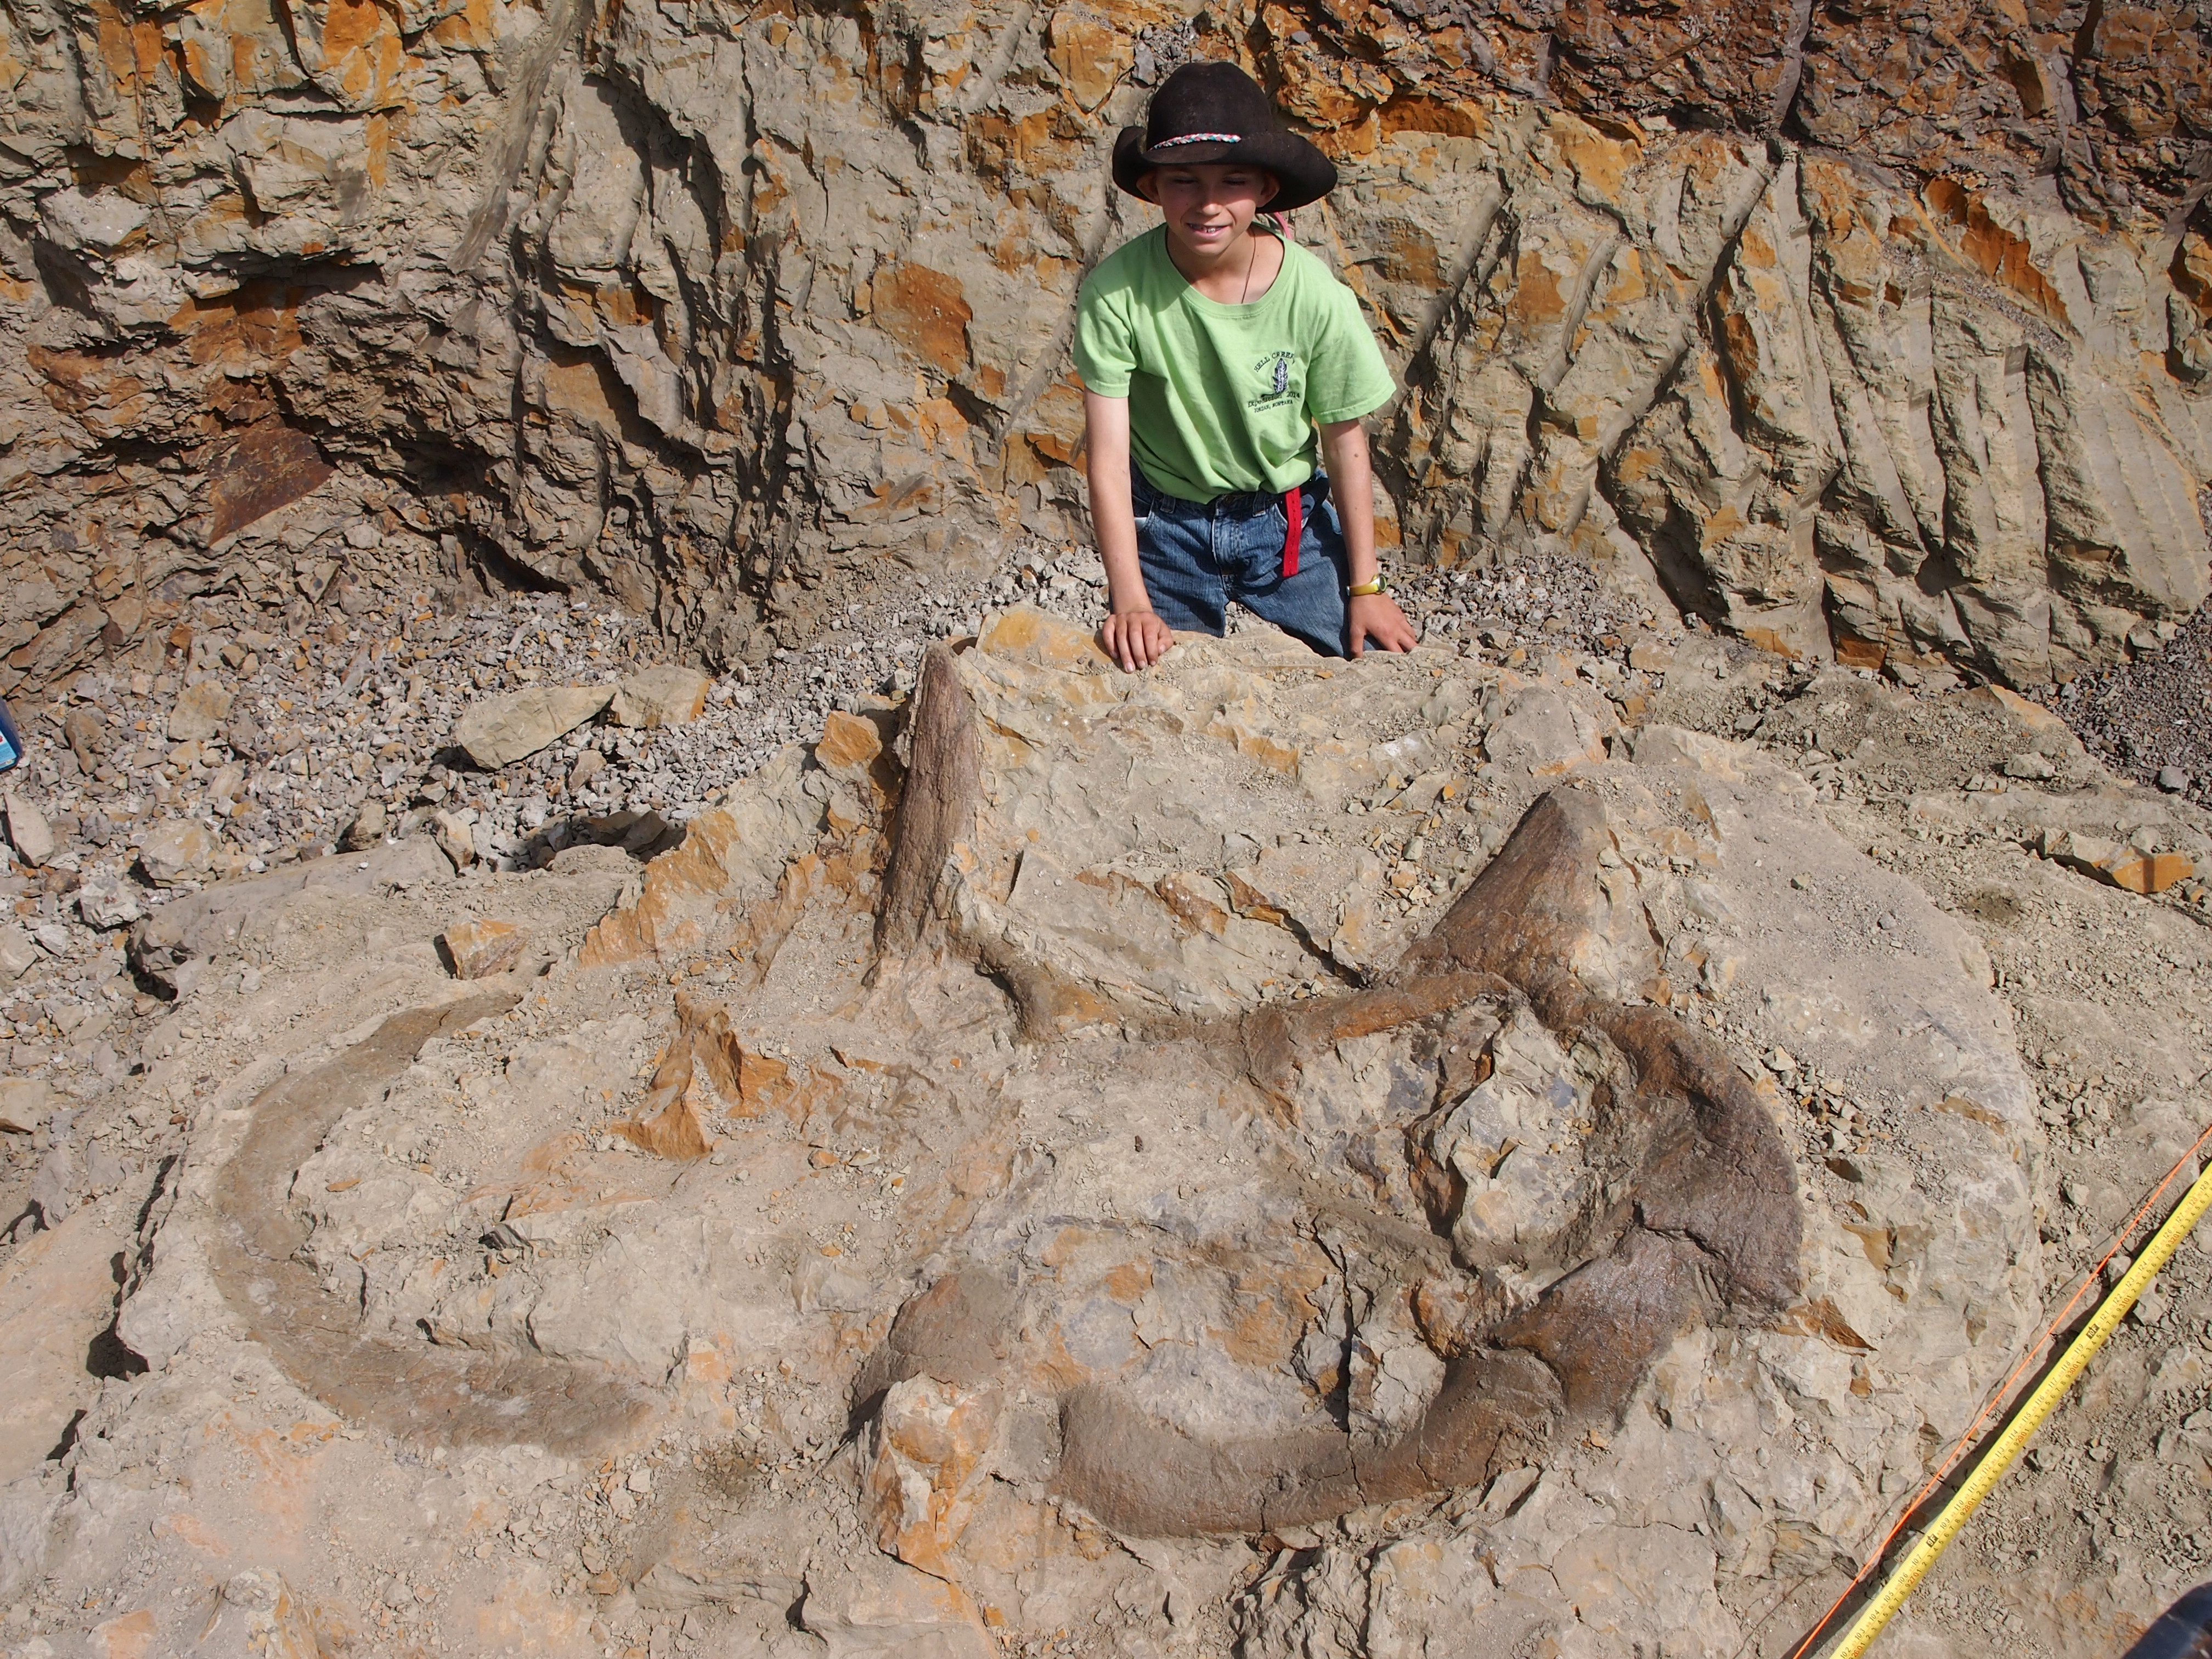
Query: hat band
[(1199, 138)]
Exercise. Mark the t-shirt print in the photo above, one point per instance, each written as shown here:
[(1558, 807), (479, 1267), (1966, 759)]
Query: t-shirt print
[(1282, 381)]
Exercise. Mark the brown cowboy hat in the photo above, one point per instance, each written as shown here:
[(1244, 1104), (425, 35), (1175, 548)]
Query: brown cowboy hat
[(1212, 113)]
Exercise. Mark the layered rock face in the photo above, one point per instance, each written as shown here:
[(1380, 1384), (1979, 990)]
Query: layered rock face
[(1863, 331)]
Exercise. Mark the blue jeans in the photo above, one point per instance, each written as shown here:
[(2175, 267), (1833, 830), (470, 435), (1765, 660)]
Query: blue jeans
[(1196, 557)]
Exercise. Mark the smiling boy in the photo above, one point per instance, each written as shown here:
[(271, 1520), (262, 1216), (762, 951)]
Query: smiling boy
[(1221, 364)]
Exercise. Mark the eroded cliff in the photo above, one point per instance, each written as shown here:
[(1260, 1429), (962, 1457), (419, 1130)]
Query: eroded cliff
[(1864, 330)]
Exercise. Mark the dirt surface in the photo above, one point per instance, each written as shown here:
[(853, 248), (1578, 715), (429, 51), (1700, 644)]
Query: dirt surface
[(2105, 991)]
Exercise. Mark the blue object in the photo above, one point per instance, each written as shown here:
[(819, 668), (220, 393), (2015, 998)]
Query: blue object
[(1196, 557), (2184, 1631), (11, 740)]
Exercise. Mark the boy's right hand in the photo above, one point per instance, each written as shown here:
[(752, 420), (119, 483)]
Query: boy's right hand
[(1135, 638)]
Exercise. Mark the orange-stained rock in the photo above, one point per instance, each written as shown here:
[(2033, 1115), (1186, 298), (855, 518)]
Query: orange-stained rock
[(484, 946), (929, 1442)]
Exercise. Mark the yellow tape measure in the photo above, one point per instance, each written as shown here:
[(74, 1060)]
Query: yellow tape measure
[(2041, 1404)]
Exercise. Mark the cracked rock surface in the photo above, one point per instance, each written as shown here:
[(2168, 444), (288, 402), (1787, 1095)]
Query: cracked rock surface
[(1256, 1151)]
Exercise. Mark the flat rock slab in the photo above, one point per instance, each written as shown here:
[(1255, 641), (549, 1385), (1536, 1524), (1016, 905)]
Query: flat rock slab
[(655, 697), (1363, 1093), (504, 729)]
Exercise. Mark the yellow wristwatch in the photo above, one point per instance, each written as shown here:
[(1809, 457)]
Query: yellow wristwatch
[(1381, 584)]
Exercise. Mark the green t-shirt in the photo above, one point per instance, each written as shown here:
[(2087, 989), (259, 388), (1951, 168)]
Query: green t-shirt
[(1224, 398)]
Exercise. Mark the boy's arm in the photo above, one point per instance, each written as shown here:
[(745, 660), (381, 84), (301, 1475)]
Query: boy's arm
[(1352, 486), (1133, 636)]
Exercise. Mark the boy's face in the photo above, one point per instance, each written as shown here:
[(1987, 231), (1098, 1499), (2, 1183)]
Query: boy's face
[(1209, 205)]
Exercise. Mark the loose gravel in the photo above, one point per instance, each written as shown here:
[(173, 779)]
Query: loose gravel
[(343, 685), (2151, 718)]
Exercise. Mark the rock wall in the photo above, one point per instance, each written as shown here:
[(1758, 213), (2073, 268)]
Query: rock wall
[(1877, 331)]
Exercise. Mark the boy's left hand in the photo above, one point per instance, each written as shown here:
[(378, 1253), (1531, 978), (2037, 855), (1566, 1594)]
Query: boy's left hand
[(1376, 616)]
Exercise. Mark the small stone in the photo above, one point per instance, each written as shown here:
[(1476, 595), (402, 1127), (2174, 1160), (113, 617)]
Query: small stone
[(25, 1103), (2033, 767), (199, 712), (506, 728), (655, 697), (589, 764), (480, 948), (2172, 779), (1781, 1062), (453, 839), (366, 828), (176, 851), (1803, 884), (86, 737), (27, 831), (18, 955), (107, 902)]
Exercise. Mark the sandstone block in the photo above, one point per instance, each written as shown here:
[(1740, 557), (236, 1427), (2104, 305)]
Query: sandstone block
[(503, 729), (272, 1622), (2116, 863), (29, 832), (482, 947), (87, 738), (668, 695), (366, 828), (929, 1439), (849, 745), (199, 712), (25, 1103), (453, 840), (107, 902), (176, 852)]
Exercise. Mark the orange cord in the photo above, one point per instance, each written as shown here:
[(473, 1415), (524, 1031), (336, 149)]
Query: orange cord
[(1965, 1441)]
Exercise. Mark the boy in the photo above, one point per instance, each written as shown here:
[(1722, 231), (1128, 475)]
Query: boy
[(1213, 347)]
